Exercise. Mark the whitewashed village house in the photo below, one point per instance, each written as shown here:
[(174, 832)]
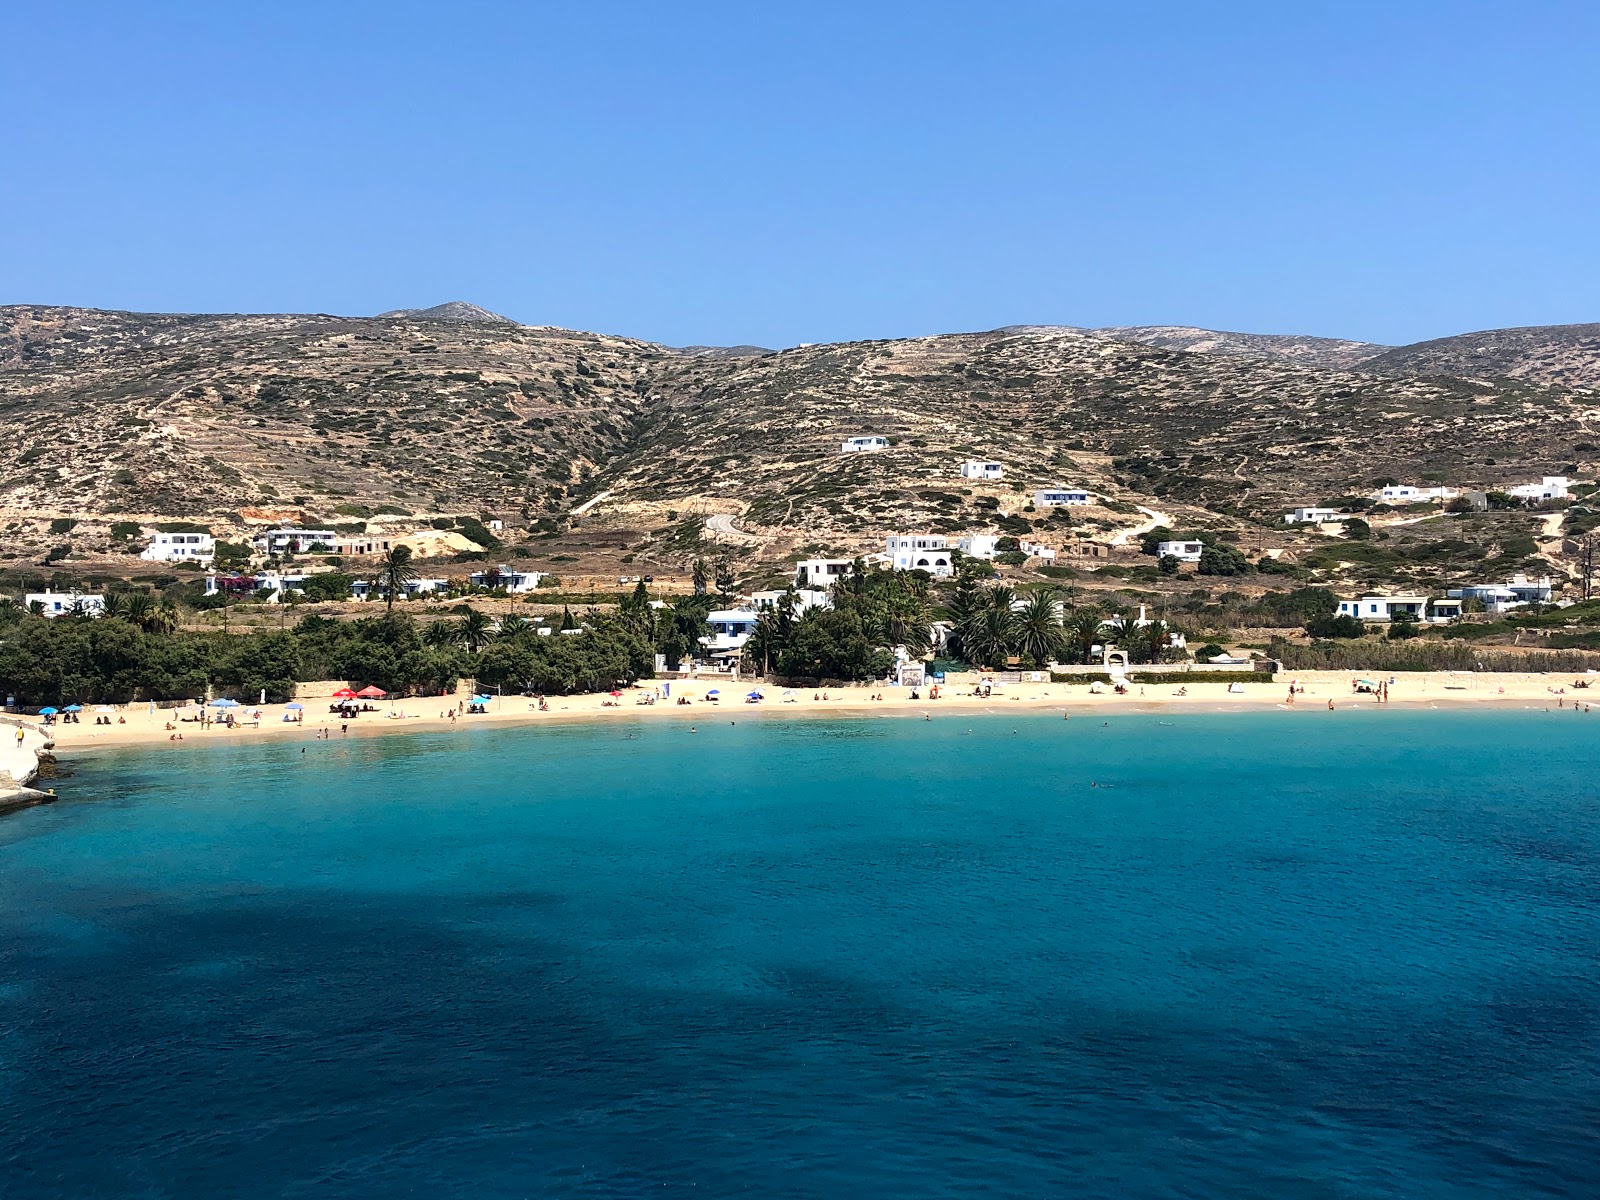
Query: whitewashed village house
[(293, 541), (987, 471), (1061, 497), (180, 547), (1312, 516), (1182, 551), (66, 604), (863, 444), (821, 573), (1551, 487), (920, 552)]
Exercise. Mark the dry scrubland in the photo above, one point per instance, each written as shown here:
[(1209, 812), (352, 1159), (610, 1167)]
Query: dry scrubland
[(388, 423)]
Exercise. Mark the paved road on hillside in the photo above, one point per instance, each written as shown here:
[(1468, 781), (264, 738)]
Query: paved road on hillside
[(720, 525)]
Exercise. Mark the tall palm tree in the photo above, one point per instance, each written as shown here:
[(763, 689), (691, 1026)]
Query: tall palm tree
[(1038, 627), (1083, 633), (989, 637), (394, 573), (472, 631), (700, 575)]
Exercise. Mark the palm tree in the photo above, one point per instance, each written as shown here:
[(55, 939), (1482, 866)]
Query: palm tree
[(510, 627), (440, 634), (472, 631), (989, 637), (1083, 633), (138, 608), (906, 622), (700, 575), (394, 573), (1038, 627)]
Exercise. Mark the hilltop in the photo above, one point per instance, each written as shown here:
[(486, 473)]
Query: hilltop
[(1560, 356)]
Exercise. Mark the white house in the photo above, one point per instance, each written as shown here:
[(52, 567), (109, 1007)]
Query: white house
[(367, 589), (61, 604), (1182, 551), (821, 572), (1501, 597), (514, 582), (1404, 493), (858, 445), (1384, 608), (920, 552), (974, 469), (730, 630), (1311, 516), (1552, 487), (1059, 497), (181, 547), (978, 545), (293, 541), (803, 599)]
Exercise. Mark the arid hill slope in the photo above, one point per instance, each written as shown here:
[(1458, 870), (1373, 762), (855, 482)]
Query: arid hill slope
[(187, 415), (1562, 356)]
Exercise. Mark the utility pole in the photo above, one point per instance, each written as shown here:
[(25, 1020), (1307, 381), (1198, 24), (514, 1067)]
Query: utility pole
[(1586, 556)]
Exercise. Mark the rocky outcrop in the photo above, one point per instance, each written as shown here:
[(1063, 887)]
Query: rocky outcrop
[(19, 764)]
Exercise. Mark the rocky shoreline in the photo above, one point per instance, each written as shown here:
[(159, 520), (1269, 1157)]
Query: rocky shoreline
[(21, 764)]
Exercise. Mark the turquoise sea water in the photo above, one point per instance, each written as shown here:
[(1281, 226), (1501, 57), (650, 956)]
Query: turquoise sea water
[(1275, 955)]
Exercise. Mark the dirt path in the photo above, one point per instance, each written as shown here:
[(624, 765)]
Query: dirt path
[(1138, 531)]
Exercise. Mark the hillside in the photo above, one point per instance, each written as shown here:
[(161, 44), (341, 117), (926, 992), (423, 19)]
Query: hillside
[(308, 417), (1335, 353), (1562, 356)]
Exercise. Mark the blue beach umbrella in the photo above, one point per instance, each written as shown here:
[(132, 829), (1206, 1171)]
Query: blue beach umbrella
[(294, 705), (48, 712), (224, 703), (714, 692), (73, 708)]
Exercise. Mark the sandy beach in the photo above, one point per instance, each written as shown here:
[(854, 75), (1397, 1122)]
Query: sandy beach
[(137, 724)]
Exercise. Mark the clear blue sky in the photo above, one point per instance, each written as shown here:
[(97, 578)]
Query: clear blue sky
[(768, 173)]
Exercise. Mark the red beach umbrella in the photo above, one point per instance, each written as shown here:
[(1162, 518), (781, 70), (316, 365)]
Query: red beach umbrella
[(371, 693), (344, 693)]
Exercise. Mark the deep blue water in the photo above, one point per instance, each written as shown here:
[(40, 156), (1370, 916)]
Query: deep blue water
[(1282, 955)]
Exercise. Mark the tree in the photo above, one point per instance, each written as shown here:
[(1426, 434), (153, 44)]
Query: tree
[(725, 579), (328, 585), (440, 634), (473, 629), (394, 573), (1356, 529), (1083, 633), (1037, 627), (700, 575), (1169, 564), (1219, 558)]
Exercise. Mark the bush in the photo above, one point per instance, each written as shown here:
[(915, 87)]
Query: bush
[(1357, 530), (1216, 559), (62, 525), (1327, 625)]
